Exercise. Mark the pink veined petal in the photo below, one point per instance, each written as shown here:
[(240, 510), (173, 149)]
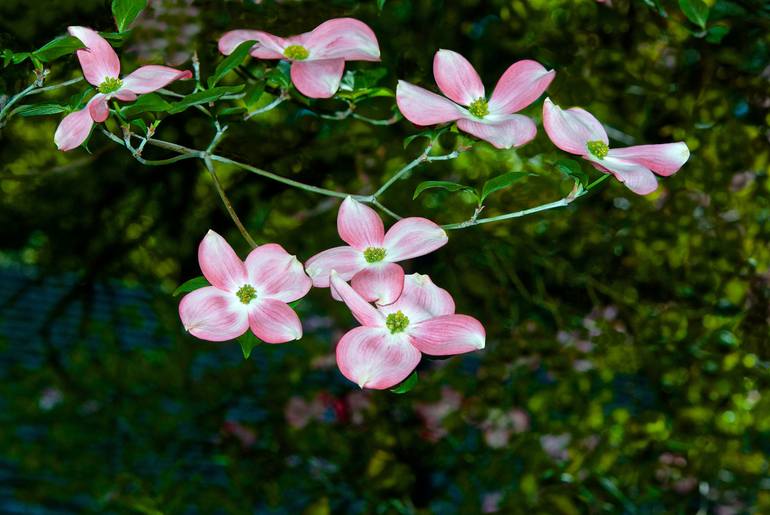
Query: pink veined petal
[(267, 46), (664, 159), (456, 77), (213, 314), (73, 130), (358, 225), (273, 321), (341, 38), (412, 237), (98, 60), (151, 78), (276, 274), (513, 130), (317, 79), (521, 84), (379, 282), (220, 264), (347, 261), (423, 107), (364, 312), (421, 291), (636, 177), (571, 129), (448, 334), (125, 95), (98, 108), (372, 358)]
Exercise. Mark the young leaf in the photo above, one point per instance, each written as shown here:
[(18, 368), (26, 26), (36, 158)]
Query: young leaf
[(40, 109), (58, 47), (279, 76), (230, 62), (444, 185), (500, 182), (151, 102), (248, 341), (696, 11), (573, 169), (203, 97), (254, 93), (191, 285), (126, 11), (406, 385)]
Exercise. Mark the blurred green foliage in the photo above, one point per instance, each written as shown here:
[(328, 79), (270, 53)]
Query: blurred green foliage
[(626, 369)]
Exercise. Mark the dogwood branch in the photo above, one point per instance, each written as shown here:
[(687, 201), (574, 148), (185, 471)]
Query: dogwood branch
[(226, 201)]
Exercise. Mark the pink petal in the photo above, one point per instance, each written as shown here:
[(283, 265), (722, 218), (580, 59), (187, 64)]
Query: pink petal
[(267, 47), (341, 38), (448, 334), (74, 129), (513, 130), (358, 225), (379, 282), (212, 314), (372, 358), (98, 60), (636, 177), (362, 310), (665, 159), (220, 264), (347, 261), (412, 237), (153, 77), (98, 108), (273, 321), (276, 274), (317, 79), (125, 95), (420, 290), (571, 129), (456, 77), (521, 84), (422, 107)]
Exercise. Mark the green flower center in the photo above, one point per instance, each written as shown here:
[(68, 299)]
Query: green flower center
[(598, 148), (479, 108), (110, 85), (246, 294), (396, 322), (296, 52), (374, 254)]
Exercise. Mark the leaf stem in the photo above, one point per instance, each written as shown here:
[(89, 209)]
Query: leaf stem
[(226, 201)]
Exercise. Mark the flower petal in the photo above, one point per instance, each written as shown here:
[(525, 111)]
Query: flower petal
[(521, 84), (423, 107), (98, 108), (359, 225), (412, 237), (347, 261), (267, 47), (276, 274), (220, 264), (665, 159), (456, 77), (372, 358), (98, 60), (73, 130), (212, 314), (513, 130), (636, 177), (362, 310), (153, 77), (380, 282), (273, 321), (317, 79), (341, 38), (448, 334), (571, 129), (422, 292), (125, 95)]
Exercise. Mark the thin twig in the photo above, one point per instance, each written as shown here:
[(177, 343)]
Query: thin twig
[(269, 107), (226, 201)]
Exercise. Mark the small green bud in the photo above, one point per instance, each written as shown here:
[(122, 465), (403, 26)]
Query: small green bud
[(598, 148), (374, 254), (110, 85), (296, 52), (246, 293), (396, 322), (479, 108)]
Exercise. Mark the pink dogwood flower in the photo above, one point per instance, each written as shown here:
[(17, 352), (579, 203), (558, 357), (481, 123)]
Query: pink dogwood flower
[(370, 259), (317, 57), (390, 343), (251, 294), (101, 68), (492, 119), (578, 132)]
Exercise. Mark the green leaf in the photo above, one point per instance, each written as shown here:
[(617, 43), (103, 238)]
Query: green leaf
[(380, 4), (717, 33), (230, 62), (248, 341), (191, 285), (58, 47), (573, 169), (500, 182), (406, 385), (40, 109), (696, 11), (126, 11), (254, 93), (279, 76), (151, 102), (444, 185), (20, 57), (431, 134), (204, 97)]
